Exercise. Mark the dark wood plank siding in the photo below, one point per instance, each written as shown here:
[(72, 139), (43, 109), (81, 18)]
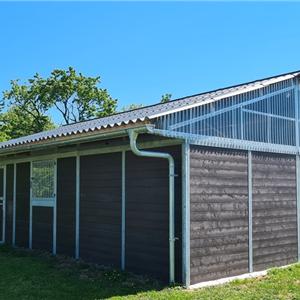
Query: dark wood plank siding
[(219, 213), (274, 210), (42, 228), (22, 204), (147, 216), (9, 203), (2, 203), (66, 205), (100, 208), (1, 223), (1, 182)]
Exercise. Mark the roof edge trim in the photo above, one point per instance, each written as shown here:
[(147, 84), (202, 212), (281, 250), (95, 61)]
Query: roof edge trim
[(73, 139)]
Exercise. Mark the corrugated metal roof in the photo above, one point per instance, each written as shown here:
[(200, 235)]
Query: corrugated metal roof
[(145, 113)]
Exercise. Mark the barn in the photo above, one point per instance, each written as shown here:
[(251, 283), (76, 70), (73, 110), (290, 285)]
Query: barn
[(192, 190)]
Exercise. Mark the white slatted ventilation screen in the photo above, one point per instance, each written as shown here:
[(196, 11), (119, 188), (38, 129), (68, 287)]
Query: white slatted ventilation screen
[(263, 119), (43, 180)]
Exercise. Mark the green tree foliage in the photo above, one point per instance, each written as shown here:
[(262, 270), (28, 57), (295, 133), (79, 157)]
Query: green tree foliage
[(77, 97), (17, 122), (165, 98), (26, 100), (73, 96), (131, 107)]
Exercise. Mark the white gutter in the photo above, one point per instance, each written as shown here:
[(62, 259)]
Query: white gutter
[(133, 134)]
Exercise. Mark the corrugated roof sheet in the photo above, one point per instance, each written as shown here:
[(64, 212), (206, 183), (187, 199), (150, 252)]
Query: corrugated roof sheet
[(142, 114)]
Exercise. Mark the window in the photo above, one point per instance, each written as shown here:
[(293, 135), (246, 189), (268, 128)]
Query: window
[(43, 186)]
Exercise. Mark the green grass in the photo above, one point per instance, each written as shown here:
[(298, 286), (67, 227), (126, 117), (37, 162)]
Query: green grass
[(36, 275)]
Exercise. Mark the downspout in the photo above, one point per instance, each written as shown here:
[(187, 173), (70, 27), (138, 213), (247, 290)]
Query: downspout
[(133, 134)]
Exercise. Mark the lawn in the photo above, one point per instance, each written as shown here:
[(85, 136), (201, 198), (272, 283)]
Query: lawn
[(36, 275)]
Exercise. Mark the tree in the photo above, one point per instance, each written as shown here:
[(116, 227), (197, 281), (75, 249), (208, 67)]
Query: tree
[(25, 101), (165, 98), (17, 122), (3, 136), (77, 97), (74, 96), (131, 107)]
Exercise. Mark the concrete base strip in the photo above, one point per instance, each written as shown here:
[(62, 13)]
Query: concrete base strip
[(229, 279)]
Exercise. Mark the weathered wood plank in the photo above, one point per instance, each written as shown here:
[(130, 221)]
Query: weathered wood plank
[(66, 199), (100, 208), (42, 228), (9, 203), (22, 204), (147, 214), (219, 213), (274, 210)]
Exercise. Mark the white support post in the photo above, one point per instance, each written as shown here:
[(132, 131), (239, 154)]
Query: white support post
[(30, 209), (186, 213), (250, 223), (123, 211), (14, 206), (77, 206), (55, 208), (298, 201)]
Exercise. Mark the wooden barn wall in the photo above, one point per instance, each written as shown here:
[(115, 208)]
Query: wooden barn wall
[(2, 202), (274, 210), (66, 206), (218, 213), (42, 228), (22, 204), (9, 203), (100, 208), (147, 216), (1, 182)]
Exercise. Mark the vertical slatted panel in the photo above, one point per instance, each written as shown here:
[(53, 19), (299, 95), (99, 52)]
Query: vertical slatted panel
[(43, 179), (66, 197), (147, 215), (1, 182), (22, 204), (219, 213), (9, 203), (263, 115), (1, 203), (42, 228), (100, 208), (274, 211)]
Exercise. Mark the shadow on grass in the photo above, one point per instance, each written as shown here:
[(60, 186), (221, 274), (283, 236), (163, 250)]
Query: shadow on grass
[(41, 275)]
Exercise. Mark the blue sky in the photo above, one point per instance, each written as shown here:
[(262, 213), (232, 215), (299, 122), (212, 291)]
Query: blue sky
[(143, 50)]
